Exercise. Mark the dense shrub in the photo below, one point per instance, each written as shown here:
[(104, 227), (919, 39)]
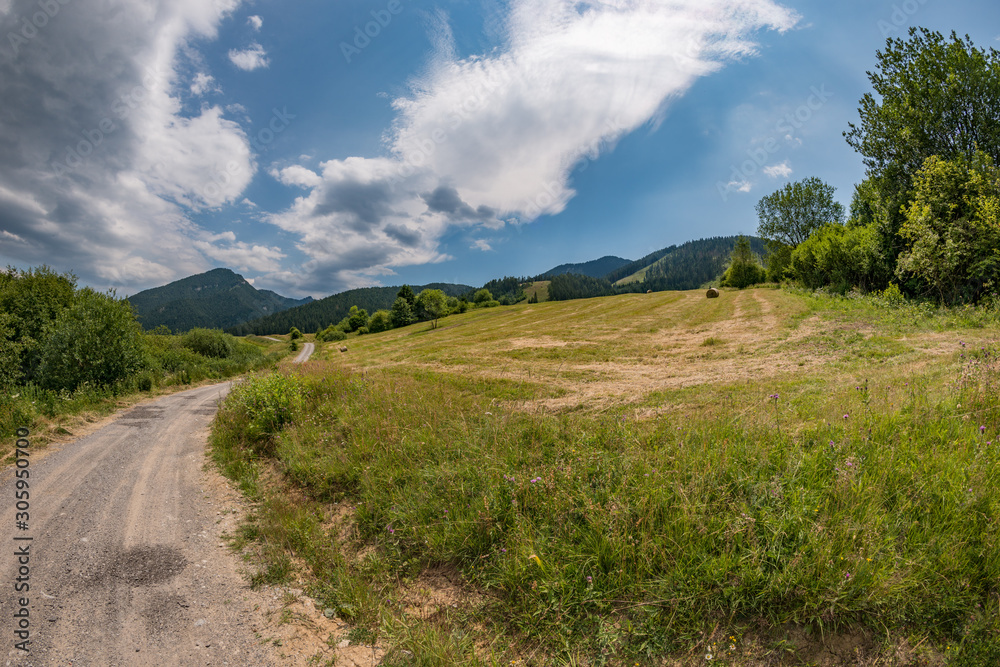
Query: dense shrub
[(258, 407), (97, 341), (331, 334), (841, 257), (744, 269), (380, 321), (209, 343)]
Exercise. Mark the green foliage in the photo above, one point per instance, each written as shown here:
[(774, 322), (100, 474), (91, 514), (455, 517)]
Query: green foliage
[(778, 261), (260, 406), (431, 305), (952, 228), (406, 292), (841, 257), (791, 214), (334, 308), (11, 350), (331, 334), (32, 299), (209, 343), (96, 341), (357, 318), (744, 270), (294, 333), (402, 312), (507, 290), (380, 321), (216, 300), (568, 286), (482, 296), (932, 96)]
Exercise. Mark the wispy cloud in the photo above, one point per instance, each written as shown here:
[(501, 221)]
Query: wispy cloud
[(782, 170), (485, 140), (255, 22), (481, 244), (249, 59)]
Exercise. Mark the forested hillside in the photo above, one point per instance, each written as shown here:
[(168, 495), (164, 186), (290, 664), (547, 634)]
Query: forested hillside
[(217, 299), (331, 310), (597, 268)]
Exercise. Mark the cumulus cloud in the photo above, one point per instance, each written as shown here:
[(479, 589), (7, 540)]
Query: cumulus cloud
[(255, 22), (739, 186), (202, 84), (782, 170), (481, 244), (99, 163), (484, 140), (249, 59)]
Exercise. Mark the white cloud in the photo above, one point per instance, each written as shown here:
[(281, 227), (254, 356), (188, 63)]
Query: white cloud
[(481, 244), (782, 170), (485, 139), (100, 166), (202, 84), (250, 58), (255, 22), (243, 256), (739, 186)]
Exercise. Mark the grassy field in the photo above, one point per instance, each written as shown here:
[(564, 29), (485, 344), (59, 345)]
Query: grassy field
[(771, 477)]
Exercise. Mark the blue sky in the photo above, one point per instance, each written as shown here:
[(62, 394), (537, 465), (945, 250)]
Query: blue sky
[(458, 141)]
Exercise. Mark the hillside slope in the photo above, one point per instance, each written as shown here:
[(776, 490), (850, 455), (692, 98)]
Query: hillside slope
[(596, 268), (217, 299), (324, 312)]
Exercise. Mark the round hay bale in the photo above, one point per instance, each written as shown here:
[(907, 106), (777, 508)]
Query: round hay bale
[(343, 349), (649, 291), (712, 293)]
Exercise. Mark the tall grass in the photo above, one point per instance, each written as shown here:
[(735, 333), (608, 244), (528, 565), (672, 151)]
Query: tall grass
[(620, 539)]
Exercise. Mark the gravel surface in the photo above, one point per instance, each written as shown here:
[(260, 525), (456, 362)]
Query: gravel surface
[(127, 563)]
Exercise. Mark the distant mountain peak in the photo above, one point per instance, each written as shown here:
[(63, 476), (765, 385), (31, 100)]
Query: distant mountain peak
[(596, 268), (216, 299)]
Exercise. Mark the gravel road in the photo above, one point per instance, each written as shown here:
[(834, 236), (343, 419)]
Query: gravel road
[(306, 352), (126, 563)]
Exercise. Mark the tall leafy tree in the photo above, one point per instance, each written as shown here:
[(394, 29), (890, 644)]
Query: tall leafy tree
[(791, 214), (406, 292), (931, 96), (432, 304), (952, 227)]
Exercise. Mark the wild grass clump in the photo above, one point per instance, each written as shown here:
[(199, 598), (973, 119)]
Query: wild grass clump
[(622, 539), (259, 406)]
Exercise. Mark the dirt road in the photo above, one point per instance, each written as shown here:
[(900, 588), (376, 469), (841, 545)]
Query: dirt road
[(306, 352), (126, 564)]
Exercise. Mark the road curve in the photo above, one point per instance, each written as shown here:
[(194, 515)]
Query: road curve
[(306, 352), (126, 567)]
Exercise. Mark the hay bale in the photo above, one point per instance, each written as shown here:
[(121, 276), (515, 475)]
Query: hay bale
[(712, 293), (343, 349), (649, 291)]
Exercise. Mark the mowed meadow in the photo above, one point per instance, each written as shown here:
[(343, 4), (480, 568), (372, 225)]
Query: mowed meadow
[(771, 477)]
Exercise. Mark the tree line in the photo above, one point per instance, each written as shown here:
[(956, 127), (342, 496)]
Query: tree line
[(926, 218)]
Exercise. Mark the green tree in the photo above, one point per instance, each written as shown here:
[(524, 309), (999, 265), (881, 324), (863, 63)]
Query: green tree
[(96, 340), (432, 304), (840, 257), (357, 318), (791, 214), (294, 334), (402, 312), (952, 227), (210, 343), (406, 292), (931, 96), (381, 320), (10, 352), (33, 298), (744, 269), (482, 296)]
